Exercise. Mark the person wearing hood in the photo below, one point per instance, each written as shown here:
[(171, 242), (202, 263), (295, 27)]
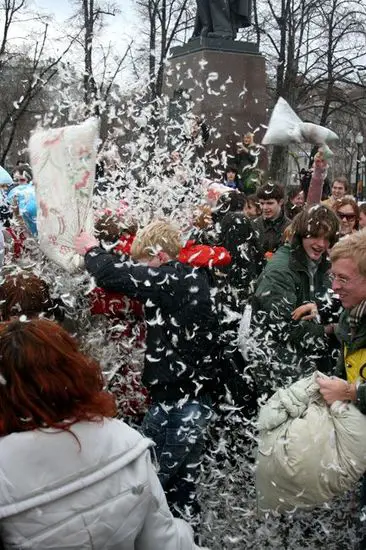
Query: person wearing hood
[(23, 198), (292, 318), (73, 476)]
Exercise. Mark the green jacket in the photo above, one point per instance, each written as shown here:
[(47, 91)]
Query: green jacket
[(283, 350), (354, 342)]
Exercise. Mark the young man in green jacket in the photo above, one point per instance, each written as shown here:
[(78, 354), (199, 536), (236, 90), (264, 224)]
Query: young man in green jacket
[(284, 344)]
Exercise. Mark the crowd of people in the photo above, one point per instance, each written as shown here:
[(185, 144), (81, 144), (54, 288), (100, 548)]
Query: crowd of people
[(96, 460)]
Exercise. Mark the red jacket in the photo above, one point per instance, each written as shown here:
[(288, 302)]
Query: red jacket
[(124, 244), (18, 241), (201, 255), (113, 304)]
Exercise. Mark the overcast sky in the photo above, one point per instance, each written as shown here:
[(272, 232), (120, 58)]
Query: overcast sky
[(119, 29), (63, 8)]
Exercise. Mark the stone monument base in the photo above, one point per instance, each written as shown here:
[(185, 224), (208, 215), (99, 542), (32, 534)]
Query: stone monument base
[(226, 83)]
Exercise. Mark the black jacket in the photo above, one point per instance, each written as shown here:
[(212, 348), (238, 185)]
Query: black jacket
[(270, 232), (236, 234), (181, 321)]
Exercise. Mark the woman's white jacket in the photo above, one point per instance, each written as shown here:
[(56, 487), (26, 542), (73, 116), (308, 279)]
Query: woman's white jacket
[(95, 491)]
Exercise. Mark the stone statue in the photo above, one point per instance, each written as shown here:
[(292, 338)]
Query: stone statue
[(221, 18)]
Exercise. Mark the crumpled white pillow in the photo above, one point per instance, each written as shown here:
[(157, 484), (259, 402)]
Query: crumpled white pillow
[(286, 127), (308, 452)]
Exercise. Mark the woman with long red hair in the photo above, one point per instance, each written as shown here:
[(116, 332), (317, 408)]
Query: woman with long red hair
[(71, 475)]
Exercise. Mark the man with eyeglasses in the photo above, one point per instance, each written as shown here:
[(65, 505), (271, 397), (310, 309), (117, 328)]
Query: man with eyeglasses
[(348, 274)]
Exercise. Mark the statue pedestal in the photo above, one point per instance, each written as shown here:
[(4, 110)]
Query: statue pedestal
[(226, 82)]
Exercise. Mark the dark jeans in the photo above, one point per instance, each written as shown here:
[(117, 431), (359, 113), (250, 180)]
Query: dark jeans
[(178, 432)]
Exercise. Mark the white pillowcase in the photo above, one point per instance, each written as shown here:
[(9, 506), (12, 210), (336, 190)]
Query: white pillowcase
[(63, 164), (286, 127)]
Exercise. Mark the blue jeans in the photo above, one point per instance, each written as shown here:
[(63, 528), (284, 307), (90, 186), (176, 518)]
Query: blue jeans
[(178, 432)]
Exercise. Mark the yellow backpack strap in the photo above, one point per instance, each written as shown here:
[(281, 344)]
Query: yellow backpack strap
[(355, 365)]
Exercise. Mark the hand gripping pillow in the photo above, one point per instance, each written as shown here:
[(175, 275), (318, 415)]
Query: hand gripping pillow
[(286, 127), (63, 164), (308, 452)]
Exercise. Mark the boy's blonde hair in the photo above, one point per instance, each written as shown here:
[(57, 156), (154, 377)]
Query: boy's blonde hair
[(157, 236), (352, 247)]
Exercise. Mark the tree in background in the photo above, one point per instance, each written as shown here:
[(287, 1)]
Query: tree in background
[(41, 86), (27, 69), (313, 48), (164, 24)]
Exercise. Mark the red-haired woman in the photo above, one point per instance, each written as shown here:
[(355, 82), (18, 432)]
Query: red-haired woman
[(72, 476)]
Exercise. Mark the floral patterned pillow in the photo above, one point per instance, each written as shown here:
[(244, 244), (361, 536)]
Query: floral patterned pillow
[(63, 164)]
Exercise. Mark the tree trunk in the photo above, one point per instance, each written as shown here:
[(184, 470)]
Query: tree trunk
[(278, 170), (90, 87)]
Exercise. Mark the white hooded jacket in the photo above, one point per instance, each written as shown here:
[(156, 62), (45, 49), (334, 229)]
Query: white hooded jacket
[(95, 491)]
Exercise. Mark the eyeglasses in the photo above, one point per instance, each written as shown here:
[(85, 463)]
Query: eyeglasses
[(348, 217), (342, 280)]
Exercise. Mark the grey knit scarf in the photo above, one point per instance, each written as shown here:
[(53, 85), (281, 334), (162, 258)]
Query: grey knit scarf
[(356, 314)]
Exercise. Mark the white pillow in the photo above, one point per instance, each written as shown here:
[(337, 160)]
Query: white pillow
[(63, 164), (308, 453), (313, 133), (286, 127)]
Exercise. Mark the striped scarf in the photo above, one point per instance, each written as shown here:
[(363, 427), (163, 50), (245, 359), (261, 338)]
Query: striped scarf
[(356, 314)]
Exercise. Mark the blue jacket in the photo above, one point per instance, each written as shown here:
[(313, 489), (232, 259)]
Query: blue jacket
[(26, 198)]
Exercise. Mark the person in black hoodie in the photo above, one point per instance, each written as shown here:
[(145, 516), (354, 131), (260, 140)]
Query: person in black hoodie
[(182, 331), (233, 230), (235, 282)]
